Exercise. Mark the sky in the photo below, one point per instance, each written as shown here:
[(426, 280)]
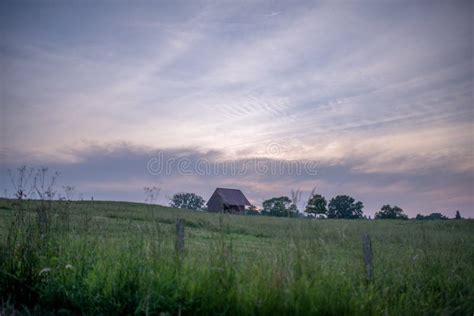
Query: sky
[(373, 99)]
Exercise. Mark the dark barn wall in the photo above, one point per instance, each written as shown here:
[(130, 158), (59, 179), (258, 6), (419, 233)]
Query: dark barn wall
[(236, 209), (215, 203)]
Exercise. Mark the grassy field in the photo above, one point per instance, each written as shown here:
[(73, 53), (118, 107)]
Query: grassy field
[(119, 258)]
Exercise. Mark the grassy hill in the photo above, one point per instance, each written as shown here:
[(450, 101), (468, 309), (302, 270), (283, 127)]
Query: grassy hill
[(95, 257)]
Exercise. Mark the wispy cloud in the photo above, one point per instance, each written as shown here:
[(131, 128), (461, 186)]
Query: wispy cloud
[(369, 88)]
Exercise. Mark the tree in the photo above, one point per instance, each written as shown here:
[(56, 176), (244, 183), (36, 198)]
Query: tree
[(344, 206), (317, 204), (437, 216), (458, 215), (279, 206), (388, 212), (189, 201), (432, 216)]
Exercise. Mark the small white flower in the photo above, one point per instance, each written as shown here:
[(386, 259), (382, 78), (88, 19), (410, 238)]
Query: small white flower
[(45, 270), (69, 267)]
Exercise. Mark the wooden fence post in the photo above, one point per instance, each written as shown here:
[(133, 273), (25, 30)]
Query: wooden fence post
[(180, 235), (368, 256)]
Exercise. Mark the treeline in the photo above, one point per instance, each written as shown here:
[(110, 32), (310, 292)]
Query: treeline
[(341, 206), (33, 183), (338, 207)]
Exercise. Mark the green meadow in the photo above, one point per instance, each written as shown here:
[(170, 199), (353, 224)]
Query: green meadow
[(109, 258)]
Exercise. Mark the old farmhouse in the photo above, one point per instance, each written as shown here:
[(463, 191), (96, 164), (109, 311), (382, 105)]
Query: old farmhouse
[(227, 201)]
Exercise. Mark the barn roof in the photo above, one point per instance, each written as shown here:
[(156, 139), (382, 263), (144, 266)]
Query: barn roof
[(232, 196)]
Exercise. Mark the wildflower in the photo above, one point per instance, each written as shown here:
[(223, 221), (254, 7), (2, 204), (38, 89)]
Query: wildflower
[(69, 267)]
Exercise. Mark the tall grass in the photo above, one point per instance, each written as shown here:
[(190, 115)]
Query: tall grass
[(119, 258)]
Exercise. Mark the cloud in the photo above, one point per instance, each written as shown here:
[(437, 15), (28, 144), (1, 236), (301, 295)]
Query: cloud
[(371, 91), (120, 171)]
